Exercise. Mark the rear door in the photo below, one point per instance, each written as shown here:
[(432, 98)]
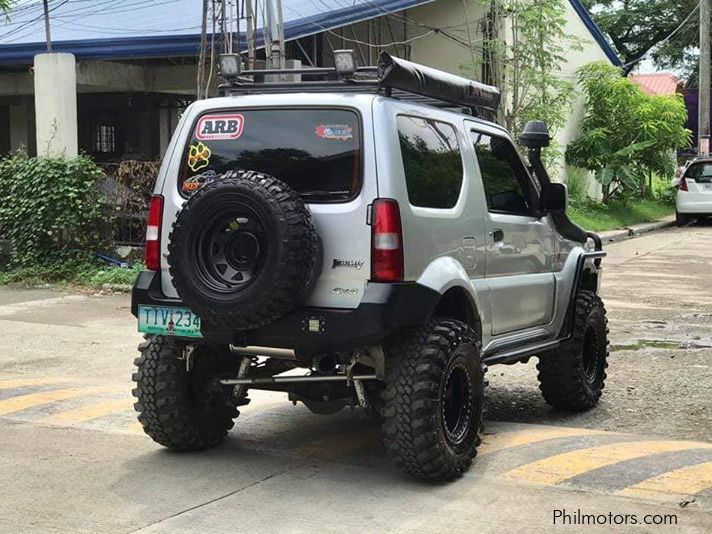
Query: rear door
[(323, 153), (698, 178), (520, 243)]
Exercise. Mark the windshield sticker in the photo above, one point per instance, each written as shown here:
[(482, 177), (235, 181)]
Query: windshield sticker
[(198, 157), (192, 184), (338, 132), (220, 127)]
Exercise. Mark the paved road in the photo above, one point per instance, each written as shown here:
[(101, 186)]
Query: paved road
[(73, 459)]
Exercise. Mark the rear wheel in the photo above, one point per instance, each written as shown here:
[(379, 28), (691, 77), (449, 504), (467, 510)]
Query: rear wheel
[(434, 399), (681, 219), (573, 376), (180, 409)]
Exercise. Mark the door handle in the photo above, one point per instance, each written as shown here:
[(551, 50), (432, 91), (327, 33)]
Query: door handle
[(497, 235)]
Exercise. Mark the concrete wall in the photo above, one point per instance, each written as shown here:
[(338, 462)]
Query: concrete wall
[(438, 51)]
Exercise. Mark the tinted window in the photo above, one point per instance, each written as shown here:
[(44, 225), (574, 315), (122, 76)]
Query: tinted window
[(316, 152), (507, 186), (431, 161), (700, 172)]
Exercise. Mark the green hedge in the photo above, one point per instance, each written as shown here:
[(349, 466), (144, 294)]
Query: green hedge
[(51, 209)]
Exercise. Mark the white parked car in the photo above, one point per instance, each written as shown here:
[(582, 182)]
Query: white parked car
[(694, 192)]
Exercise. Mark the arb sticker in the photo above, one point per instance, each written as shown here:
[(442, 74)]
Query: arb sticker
[(198, 157), (220, 127), (339, 132)]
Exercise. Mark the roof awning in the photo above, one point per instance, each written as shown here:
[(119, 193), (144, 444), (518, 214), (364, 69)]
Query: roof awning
[(123, 29)]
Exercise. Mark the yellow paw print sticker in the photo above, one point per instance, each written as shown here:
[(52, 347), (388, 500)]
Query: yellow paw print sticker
[(198, 157)]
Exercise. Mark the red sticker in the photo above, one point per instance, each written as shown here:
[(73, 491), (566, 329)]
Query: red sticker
[(340, 132), (220, 127)]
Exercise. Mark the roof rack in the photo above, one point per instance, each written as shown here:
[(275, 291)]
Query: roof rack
[(393, 77)]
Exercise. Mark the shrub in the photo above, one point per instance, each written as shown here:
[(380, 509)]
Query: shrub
[(51, 209), (626, 135)]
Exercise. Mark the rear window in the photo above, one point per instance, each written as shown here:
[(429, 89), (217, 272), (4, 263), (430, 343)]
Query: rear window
[(317, 152), (700, 172)]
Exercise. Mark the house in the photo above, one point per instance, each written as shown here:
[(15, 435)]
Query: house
[(124, 70), (658, 83)]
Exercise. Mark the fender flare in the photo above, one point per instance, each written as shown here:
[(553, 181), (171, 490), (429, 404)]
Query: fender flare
[(445, 273)]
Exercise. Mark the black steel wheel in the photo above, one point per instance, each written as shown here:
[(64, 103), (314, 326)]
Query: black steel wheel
[(181, 409), (572, 377), (244, 251), (434, 399)]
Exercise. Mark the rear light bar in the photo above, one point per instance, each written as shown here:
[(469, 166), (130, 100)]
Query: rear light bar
[(153, 234), (386, 242)]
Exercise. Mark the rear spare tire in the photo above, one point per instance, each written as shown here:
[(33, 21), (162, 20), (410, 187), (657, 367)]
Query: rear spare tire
[(244, 251)]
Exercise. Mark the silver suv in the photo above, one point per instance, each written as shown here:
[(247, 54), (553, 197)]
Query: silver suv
[(367, 228)]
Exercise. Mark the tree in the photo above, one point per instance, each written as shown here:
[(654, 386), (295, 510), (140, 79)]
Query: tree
[(639, 28), (5, 5), (626, 135), (528, 66)]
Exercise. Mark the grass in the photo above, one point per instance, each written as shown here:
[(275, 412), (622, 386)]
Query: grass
[(80, 274), (599, 217)]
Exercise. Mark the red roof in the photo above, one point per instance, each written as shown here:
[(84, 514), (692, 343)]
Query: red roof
[(660, 84)]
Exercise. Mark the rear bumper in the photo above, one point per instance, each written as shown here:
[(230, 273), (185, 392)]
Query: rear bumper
[(383, 309), (694, 203)]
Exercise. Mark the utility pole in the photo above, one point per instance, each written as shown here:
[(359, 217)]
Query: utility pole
[(704, 110), (46, 18), (249, 22)]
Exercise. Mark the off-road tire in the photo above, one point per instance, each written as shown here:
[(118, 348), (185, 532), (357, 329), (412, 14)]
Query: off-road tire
[(290, 267), (419, 364), (166, 405), (572, 377)]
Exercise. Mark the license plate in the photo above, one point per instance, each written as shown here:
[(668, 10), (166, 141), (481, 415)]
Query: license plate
[(168, 321), (707, 187)]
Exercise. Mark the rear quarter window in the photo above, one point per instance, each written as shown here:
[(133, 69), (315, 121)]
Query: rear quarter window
[(317, 152), (431, 161)]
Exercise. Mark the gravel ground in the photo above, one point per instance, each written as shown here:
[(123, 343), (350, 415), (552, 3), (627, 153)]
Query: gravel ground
[(659, 298)]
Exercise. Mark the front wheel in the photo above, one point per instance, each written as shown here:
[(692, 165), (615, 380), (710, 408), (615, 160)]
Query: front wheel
[(434, 399), (572, 377), (180, 409)]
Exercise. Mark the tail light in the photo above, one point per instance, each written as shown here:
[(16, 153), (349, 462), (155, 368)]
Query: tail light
[(386, 242), (153, 234), (683, 184)]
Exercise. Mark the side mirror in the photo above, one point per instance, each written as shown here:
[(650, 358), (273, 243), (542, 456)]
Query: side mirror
[(555, 198), (535, 135)]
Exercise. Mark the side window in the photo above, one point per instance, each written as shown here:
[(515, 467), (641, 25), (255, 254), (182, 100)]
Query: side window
[(508, 188), (431, 161)]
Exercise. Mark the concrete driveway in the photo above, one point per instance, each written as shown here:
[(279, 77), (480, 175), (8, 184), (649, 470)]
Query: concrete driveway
[(73, 458)]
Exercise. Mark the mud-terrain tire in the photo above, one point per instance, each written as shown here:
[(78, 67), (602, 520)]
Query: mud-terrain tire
[(434, 399), (244, 251), (572, 377), (176, 408)]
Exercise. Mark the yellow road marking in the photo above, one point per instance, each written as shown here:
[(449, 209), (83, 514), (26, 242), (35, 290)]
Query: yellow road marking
[(93, 411), (21, 382), (22, 402), (684, 481), (506, 440), (556, 469)]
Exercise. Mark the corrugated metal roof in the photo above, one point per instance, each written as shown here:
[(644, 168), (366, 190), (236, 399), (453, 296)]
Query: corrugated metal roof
[(112, 29), (660, 84), (106, 29)]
